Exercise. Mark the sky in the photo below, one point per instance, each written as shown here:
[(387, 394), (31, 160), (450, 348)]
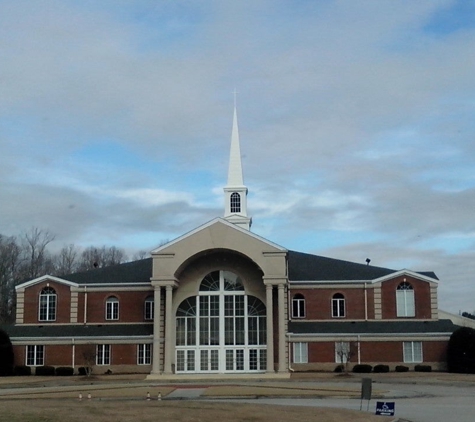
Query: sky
[(356, 123)]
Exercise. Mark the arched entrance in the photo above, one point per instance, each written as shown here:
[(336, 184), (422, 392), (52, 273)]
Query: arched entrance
[(222, 329)]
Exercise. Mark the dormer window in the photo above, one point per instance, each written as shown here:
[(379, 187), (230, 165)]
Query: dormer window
[(405, 304), (47, 308), (235, 202)]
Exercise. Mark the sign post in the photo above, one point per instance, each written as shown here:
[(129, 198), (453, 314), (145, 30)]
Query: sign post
[(366, 387)]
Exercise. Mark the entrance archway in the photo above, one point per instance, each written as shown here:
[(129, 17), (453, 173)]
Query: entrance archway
[(222, 329)]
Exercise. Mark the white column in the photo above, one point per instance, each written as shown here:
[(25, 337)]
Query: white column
[(168, 330), (281, 313), (269, 328), (157, 326)]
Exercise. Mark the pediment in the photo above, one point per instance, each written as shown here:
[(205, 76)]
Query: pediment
[(47, 278)]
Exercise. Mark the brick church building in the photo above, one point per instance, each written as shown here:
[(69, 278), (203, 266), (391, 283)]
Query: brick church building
[(223, 301)]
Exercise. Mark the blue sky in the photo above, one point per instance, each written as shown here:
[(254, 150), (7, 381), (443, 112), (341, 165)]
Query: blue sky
[(356, 124)]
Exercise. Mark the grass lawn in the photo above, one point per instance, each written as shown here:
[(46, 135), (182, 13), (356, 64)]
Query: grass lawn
[(73, 410)]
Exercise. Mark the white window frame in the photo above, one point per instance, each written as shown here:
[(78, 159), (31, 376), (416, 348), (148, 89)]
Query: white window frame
[(144, 354), (149, 309), (35, 355), (412, 352), (405, 300), (47, 304), (103, 354), (346, 347), (300, 352), (112, 308), (338, 305), (298, 306)]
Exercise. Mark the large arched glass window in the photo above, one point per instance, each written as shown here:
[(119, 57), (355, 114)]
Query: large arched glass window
[(222, 329), (338, 306), (47, 308), (405, 303), (112, 308), (235, 202), (298, 306)]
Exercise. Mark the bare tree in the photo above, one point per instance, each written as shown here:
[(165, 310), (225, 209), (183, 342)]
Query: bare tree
[(344, 353), (89, 358), (67, 260), (36, 259), (93, 257), (9, 276)]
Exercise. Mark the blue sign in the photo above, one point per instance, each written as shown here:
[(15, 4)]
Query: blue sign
[(385, 408)]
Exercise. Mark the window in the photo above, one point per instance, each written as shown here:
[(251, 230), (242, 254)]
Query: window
[(300, 352), (144, 354), (35, 355), (112, 308), (342, 352), (221, 329), (338, 306), (412, 351), (298, 306), (405, 306), (148, 308), (235, 202), (47, 304), (103, 354)]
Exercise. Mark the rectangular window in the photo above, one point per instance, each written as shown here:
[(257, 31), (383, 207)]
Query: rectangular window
[(103, 354), (405, 306), (148, 311), (412, 351), (35, 355), (342, 352), (298, 308), (144, 354), (300, 352), (112, 310)]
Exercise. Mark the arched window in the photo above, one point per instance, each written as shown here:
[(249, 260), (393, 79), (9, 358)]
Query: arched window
[(221, 329), (338, 306), (112, 308), (235, 202), (148, 308), (298, 306), (405, 304), (47, 309)]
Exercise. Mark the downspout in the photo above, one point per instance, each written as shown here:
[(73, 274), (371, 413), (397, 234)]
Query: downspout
[(85, 305), (359, 350), (74, 353), (365, 303)]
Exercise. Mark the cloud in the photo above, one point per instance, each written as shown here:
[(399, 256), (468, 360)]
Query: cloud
[(356, 121)]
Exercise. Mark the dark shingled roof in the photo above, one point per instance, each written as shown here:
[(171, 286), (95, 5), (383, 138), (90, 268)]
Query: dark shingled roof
[(373, 327), (130, 272), (76, 331), (307, 267), (302, 267)]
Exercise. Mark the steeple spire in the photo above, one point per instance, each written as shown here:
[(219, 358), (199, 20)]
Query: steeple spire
[(235, 193)]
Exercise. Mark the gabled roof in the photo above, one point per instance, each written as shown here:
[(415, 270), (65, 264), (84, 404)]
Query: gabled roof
[(371, 327), (218, 220), (306, 267), (43, 279)]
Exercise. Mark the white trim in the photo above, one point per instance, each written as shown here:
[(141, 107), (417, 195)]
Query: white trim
[(45, 278), (217, 220)]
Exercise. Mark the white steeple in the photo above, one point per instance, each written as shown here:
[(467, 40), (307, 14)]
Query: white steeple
[(235, 193)]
